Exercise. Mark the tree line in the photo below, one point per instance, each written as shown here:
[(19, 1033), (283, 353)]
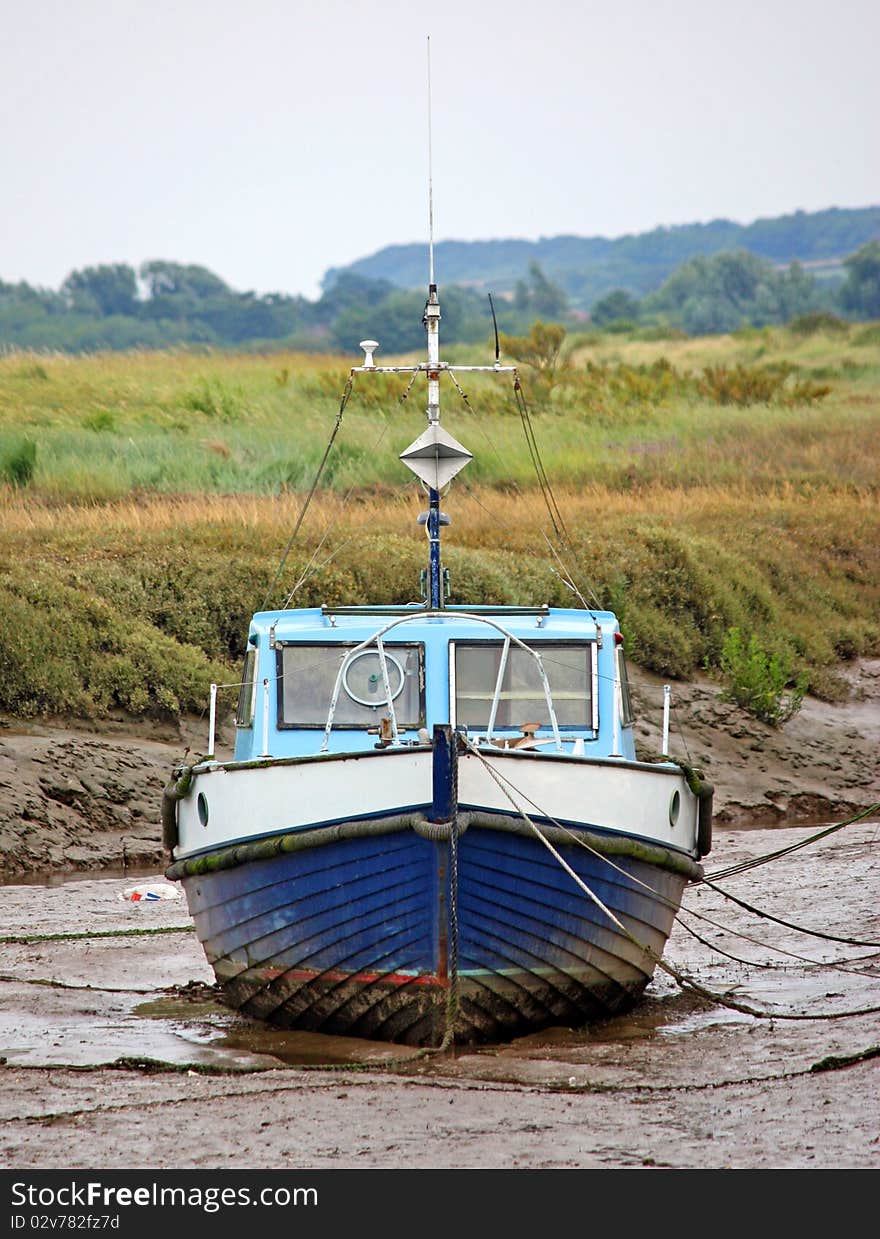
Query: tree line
[(727, 291), (163, 304)]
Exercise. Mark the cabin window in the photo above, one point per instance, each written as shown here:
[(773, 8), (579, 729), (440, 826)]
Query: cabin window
[(627, 714), (522, 700), (244, 714), (307, 676)]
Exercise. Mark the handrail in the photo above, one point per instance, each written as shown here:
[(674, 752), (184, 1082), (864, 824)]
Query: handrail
[(445, 615), (502, 667)]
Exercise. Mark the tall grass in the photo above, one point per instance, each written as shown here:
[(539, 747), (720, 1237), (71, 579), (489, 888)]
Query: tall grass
[(706, 486), (627, 412)]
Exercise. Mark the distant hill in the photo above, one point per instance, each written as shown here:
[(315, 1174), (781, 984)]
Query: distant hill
[(589, 267)]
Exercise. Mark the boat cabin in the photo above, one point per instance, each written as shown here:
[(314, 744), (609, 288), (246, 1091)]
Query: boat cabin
[(358, 678)]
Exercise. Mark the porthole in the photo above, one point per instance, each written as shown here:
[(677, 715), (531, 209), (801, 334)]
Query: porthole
[(674, 806), (202, 806)]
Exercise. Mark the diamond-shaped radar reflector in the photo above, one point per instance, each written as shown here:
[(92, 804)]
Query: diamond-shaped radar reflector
[(435, 457)]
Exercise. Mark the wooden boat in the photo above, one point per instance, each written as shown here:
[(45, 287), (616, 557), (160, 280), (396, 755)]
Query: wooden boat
[(434, 828)]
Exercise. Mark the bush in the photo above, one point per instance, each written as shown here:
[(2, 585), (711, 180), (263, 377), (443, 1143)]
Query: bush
[(100, 420), (816, 321), (18, 465), (215, 400), (758, 680)]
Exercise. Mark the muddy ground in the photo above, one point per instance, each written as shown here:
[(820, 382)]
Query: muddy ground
[(78, 797), (117, 1053)]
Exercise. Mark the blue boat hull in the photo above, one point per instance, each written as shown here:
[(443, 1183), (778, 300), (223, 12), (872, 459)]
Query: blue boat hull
[(366, 936)]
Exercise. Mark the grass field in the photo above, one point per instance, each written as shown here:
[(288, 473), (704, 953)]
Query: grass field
[(704, 484)]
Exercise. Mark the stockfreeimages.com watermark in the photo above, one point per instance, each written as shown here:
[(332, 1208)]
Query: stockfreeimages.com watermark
[(95, 1195)]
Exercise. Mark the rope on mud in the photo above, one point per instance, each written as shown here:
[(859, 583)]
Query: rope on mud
[(158, 1066), (676, 909), (733, 870), (813, 933), (11, 979), (24, 939), (677, 975), (836, 965)]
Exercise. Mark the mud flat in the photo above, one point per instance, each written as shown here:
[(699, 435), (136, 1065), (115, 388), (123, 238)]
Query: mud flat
[(119, 1055)]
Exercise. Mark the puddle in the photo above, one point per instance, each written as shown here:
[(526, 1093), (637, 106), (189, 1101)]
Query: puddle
[(228, 1032)]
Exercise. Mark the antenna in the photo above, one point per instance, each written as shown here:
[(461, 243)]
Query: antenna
[(495, 325), (430, 179)]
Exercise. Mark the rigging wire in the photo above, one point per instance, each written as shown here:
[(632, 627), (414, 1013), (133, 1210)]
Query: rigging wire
[(669, 903), (556, 517), (308, 572), (345, 395), (565, 576), (568, 580), (681, 978)]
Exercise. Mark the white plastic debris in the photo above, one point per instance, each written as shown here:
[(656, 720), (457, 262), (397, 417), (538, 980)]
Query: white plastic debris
[(149, 891)]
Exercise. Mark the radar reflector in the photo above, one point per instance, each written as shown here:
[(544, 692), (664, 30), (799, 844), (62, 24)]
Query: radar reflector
[(435, 457)]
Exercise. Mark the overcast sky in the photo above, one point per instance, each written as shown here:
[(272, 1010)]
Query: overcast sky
[(270, 139)]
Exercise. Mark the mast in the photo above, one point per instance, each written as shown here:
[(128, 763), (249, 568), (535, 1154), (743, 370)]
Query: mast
[(432, 327), (435, 457)]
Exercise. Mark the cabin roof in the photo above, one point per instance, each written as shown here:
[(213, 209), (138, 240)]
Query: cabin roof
[(359, 623)]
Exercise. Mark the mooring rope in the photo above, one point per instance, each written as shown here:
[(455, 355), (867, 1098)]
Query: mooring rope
[(744, 866), (681, 978), (669, 903), (813, 933), (24, 939), (835, 965)]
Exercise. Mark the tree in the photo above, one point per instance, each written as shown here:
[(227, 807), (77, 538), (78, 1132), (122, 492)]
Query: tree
[(350, 289), (110, 288), (617, 306), (395, 321), (174, 279), (860, 294), (730, 290), (538, 296)]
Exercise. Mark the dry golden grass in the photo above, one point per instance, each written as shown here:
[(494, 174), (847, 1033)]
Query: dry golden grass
[(167, 485)]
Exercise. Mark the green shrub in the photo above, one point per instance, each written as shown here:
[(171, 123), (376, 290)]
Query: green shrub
[(867, 335), (100, 420), (759, 681), (34, 371), (816, 321), (19, 464), (742, 385), (215, 401)]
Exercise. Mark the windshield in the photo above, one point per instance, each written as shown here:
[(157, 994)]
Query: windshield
[(522, 699), (307, 676)]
